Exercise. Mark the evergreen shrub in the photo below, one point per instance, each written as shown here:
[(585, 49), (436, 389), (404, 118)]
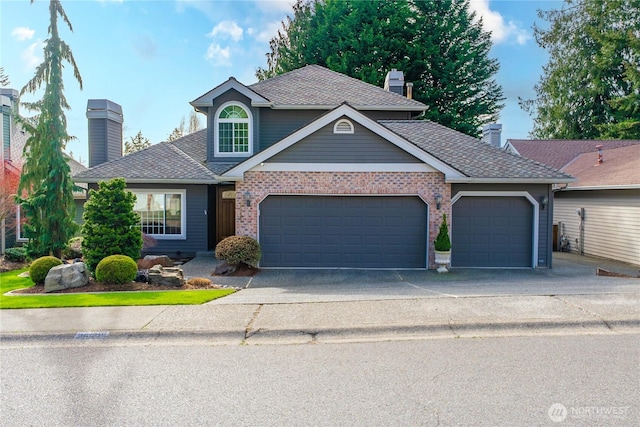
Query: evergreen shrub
[(116, 269), (40, 268), (110, 226), (18, 254), (239, 250), (442, 242)]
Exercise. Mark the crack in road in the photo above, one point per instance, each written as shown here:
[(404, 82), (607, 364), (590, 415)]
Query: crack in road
[(248, 333), (584, 310)]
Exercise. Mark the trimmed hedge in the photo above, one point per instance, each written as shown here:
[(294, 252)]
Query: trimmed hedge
[(239, 249), (116, 269), (40, 268)]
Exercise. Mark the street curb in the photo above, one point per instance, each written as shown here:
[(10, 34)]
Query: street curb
[(453, 328)]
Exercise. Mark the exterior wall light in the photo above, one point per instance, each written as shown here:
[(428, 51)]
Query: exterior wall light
[(544, 201), (438, 199), (247, 198)]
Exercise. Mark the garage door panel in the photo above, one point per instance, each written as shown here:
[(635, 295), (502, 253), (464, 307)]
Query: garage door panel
[(356, 231), (492, 232)]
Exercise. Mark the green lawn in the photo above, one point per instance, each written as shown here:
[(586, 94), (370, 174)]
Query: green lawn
[(10, 281)]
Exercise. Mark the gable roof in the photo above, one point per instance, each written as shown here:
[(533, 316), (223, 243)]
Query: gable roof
[(314, 87), (620, 168), (180, 161), (477, 160), (559, 152), (460, 157)]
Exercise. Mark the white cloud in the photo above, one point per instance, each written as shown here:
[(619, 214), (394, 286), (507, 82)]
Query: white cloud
[(268, 31), (30, 56), (23, 33), (493, 21), (218, 56), (227, 29)]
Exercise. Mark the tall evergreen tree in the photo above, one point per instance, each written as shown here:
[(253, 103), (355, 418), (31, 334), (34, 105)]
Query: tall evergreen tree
[(590, 86), (49, 206), (439, 45)]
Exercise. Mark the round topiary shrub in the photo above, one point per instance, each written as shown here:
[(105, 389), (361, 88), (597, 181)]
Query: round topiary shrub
[(40, 267), (239, 249), (116, 269)]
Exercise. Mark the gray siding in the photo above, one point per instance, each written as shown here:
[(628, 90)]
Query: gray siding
[(277, 124), (545, 218), (6, 133), (363, 146), (611, 222), (105, 141), (388, 115)]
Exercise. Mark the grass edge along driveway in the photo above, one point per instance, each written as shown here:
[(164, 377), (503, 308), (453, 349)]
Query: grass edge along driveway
[(10, 281)]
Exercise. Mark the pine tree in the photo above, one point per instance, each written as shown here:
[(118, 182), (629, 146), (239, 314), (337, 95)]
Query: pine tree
[(110, 227), (136, 143), (49, 206), (590, 86)]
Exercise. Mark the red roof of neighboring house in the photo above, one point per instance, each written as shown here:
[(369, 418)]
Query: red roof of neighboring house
[(620, 167), (559, 152)]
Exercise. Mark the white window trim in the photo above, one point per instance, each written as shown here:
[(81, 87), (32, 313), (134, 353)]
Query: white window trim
[(183, 210), (216, 131), (18, 227), (336, 127)]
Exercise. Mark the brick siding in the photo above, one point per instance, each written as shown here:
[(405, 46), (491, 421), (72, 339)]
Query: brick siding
[(261, 184)]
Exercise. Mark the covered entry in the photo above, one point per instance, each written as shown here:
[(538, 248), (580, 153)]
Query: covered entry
[(493, 231), (343, 231)]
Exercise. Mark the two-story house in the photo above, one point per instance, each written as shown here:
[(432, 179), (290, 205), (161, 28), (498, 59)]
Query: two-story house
[(325, 170)]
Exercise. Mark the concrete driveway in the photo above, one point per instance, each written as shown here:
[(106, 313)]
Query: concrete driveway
[(572, 274)]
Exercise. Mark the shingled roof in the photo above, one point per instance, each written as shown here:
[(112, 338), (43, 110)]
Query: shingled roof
[(559, 152), (180, 161), (471, 156), (620, 168), (314, 86)]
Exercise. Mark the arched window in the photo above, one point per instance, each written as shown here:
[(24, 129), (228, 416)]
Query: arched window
[(233, 136)]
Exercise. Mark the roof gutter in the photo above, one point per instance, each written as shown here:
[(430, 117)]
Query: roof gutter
[(515, 180), (155, 181), (601, 187)]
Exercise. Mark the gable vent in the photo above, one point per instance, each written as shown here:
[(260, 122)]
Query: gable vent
[(343, 126)]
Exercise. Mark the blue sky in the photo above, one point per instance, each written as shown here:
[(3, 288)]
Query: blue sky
[(153, 57)]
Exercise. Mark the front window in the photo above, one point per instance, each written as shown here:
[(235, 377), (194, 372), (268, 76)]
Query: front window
[(162, 214), (234, 131)]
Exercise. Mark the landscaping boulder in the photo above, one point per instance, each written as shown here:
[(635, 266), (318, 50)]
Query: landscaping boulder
[(163, 260), (166, 276), (66, 276)]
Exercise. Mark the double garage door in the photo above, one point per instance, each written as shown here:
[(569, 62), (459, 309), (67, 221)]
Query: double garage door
[(492, 232), (343, 231)]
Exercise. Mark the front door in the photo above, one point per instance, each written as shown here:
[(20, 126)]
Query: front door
[(225, 212)]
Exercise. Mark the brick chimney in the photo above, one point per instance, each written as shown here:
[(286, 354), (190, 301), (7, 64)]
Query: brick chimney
[(394, 82), (492, 134), (105, 131)]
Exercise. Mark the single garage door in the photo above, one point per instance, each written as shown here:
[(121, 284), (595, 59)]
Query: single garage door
[(343, 231), (492, 232)]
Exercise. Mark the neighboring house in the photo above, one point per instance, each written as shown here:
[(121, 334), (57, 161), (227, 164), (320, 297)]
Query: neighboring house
[(328, 171), (599, 214), (14, 138)]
